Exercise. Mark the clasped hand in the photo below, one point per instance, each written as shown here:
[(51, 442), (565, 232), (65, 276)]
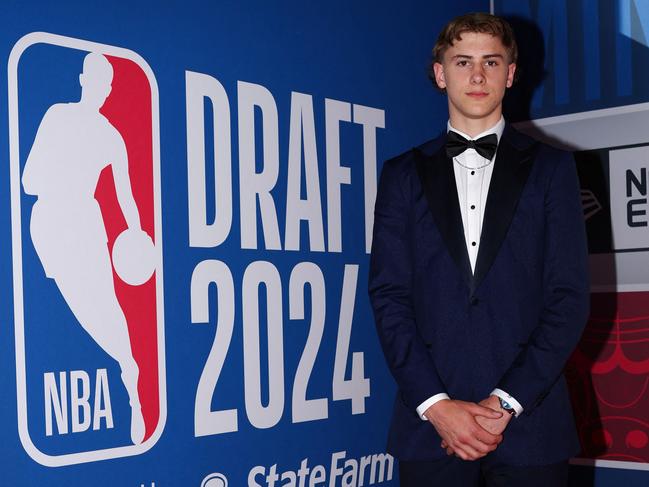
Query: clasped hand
[(469, 430)]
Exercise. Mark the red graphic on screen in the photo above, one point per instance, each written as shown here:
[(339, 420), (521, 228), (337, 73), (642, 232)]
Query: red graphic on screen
[(609, 378), (128, 108)]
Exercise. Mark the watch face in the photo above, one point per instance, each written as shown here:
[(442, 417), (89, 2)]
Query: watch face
[(506, 406)]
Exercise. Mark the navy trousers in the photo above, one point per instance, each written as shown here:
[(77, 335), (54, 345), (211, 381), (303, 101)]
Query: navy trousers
[(455, 472)]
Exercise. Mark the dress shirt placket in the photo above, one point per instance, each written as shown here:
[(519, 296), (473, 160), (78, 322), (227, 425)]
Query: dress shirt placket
[(475, 178)]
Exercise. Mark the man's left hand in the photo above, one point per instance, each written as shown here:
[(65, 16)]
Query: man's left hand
[(494, 426)]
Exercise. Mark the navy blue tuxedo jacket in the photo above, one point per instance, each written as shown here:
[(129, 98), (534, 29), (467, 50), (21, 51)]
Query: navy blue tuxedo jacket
[(512, 324)]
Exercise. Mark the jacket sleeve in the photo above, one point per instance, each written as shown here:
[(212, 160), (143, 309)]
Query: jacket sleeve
[(390, 285), (566, 292)]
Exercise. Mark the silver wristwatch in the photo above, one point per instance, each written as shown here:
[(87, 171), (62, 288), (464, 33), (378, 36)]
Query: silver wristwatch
[(506, 406)]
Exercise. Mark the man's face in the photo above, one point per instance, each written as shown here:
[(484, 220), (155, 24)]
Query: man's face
[(475, 72)]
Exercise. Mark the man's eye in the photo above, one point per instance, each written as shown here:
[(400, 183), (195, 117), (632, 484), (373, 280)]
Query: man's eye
[(492, 63), (462, 63)]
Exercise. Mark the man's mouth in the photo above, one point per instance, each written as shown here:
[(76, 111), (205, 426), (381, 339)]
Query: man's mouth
[(477, 94)]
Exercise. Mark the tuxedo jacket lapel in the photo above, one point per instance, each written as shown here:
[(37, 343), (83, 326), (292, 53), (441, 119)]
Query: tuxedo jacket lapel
[(511, 170), (512, 167), (438, 182)]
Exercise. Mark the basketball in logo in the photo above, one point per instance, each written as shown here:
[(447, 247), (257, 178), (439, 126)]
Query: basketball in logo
[(134, 257)]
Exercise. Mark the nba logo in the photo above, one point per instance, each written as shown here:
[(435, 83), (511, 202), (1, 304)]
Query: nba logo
[(87, 250)]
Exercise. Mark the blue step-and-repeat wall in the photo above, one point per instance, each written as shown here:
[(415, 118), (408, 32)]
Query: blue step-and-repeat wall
[(233, 148)]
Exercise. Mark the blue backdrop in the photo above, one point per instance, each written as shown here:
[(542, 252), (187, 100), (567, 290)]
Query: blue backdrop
[(268, 368)]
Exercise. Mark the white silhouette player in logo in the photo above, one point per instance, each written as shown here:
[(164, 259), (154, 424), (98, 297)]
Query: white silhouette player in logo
[(74, 143)]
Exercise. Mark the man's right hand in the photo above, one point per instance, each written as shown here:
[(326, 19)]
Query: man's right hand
[(455, 422)]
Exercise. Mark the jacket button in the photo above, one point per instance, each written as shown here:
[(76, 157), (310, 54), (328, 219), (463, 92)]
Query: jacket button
[(474, 301)]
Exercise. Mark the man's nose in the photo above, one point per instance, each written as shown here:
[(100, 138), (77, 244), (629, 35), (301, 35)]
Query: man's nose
[(477, 75)]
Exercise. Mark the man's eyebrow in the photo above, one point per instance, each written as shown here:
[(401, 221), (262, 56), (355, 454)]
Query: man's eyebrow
[(485, 56)]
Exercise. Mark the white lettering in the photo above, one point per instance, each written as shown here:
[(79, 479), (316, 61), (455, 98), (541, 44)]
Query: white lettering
[(381, 460), (272, 476), (334, 471), (79, 400), (290, 476), (302, 135), (337, 175), (357, 388), (318, 476), (364, 463), (206, 421), (256, 186), (307, 272), (252, 481), (82, 415), (370, 119), (56, 401), (303, 472), (351, 473), (102, 396), (257, 273), (201, 233)]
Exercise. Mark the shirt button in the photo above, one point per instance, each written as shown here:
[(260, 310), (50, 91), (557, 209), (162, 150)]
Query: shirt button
[(473, 244), (473, 207), (472, 173)]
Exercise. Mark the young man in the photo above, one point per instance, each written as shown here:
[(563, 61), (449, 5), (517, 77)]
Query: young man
[(478, 281)]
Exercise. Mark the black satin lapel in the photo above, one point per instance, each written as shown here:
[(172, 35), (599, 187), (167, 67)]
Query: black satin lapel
[(438, 181), (511, 169)]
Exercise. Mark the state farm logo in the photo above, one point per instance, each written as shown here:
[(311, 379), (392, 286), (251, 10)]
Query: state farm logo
[(87, 250)]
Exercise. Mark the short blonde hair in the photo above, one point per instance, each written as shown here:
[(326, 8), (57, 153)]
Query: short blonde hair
[(476, 22)]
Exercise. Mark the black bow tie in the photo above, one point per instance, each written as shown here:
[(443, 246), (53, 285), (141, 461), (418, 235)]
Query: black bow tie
[(485, 146)]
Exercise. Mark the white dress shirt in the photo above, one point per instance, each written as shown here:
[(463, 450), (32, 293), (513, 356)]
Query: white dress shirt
[(472, 178)]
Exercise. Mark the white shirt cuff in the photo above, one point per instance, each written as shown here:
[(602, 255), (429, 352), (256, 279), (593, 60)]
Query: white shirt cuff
[(421, 409), (510, 400)]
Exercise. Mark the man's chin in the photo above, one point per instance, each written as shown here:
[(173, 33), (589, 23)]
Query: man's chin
[(478, 114)]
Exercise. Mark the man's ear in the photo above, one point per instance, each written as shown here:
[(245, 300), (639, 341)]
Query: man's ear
[(438, 69), (511, 70)]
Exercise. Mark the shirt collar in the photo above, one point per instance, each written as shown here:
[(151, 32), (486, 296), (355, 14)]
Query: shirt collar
[(496, 129)]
